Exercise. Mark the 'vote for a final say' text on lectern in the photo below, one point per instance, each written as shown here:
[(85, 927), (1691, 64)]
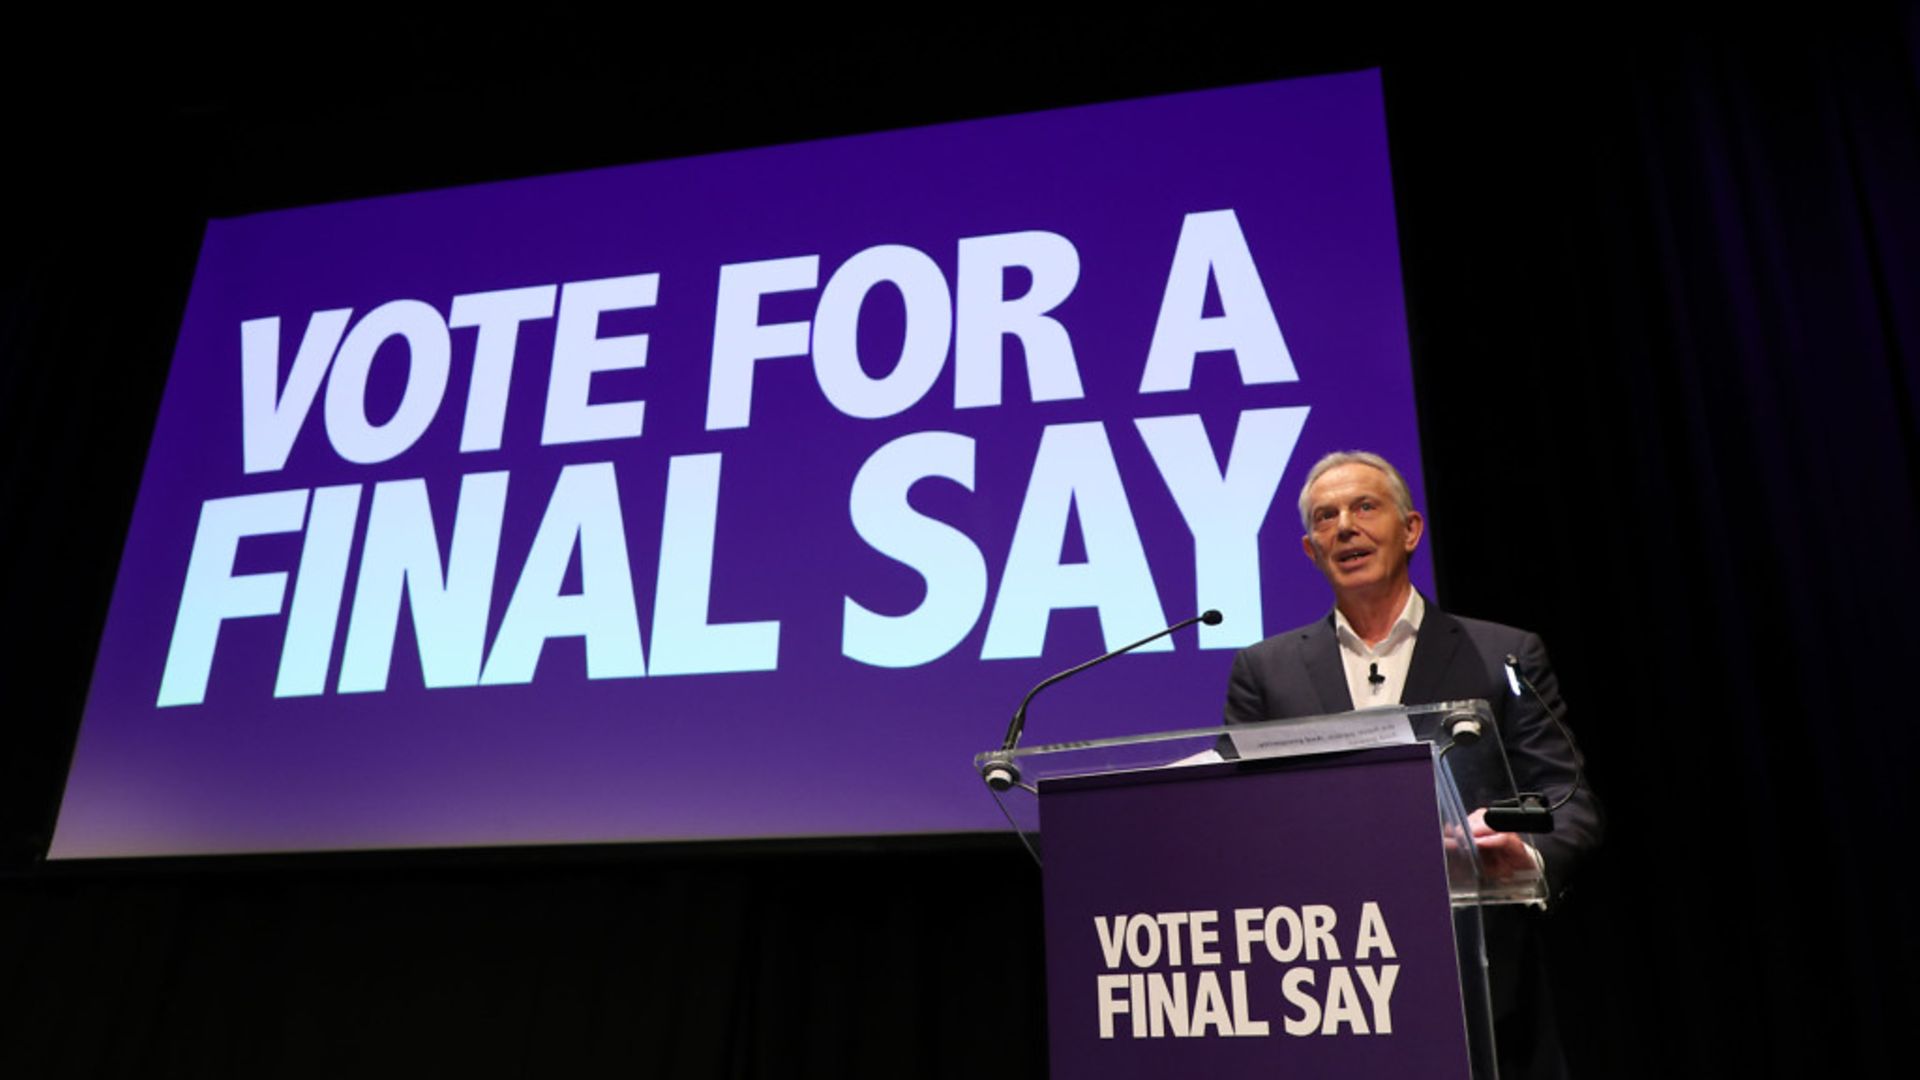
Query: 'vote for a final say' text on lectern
[(1295, 898)]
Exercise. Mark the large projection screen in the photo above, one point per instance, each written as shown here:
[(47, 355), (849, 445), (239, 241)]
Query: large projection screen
[(743, 495)]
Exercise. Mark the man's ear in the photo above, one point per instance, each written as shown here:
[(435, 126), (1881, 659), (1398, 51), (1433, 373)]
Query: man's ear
[(1416, 525), (1306, 545)]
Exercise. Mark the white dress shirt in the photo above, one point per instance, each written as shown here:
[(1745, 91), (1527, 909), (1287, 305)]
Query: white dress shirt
[(1393, 656)]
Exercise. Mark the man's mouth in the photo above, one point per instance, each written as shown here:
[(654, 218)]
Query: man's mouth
[(1352, 555)]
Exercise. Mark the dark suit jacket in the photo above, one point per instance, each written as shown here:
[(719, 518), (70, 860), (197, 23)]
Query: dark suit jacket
[(1299, 673)]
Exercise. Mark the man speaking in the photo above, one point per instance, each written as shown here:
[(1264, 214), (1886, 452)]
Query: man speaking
[(1385, 644)]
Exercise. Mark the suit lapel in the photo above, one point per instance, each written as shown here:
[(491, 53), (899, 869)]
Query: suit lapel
[(1433, 652), (1321, 648)]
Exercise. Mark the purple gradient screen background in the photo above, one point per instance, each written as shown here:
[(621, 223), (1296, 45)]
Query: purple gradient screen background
[(823, 745)]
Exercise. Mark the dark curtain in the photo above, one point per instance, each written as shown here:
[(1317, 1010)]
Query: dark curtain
[(814, 963), (1668, 341), (1664, 286)]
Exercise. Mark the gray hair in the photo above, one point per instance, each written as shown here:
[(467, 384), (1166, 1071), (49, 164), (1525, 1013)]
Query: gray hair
[(1396, 485)]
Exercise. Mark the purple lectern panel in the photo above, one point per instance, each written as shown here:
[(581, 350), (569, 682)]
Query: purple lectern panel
[(740, 495), (1283, 921)]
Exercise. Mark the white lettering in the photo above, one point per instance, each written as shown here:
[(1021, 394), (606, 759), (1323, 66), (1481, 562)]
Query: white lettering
[(498, 316), (271, 416), (213, 593), (923, 351), (1143, 941), (1373, 936), (740, 339), (1225, 508), (1379, 988), (1205, 936), (1074, 472), (1111, 1007), (955, 572), (1212, 247), (1343, 1005), (1295, 987), (1320, 944), (355, 437), (584, 514), (401, 553), (1112, 937), (315, 611), (1243, 1023), (684, 642), (1210, 1006), (986, 316), (580, 353), (1167, 1004)]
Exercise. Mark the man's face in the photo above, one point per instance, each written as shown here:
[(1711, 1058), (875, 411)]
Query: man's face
[(1356, 535)]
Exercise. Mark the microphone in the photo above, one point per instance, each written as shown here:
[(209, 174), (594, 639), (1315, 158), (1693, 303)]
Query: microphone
[(1373, 673), (1528, 811), (1000, 773)]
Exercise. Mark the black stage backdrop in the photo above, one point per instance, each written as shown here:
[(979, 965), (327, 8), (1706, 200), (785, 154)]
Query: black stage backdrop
[(1664, 283)]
